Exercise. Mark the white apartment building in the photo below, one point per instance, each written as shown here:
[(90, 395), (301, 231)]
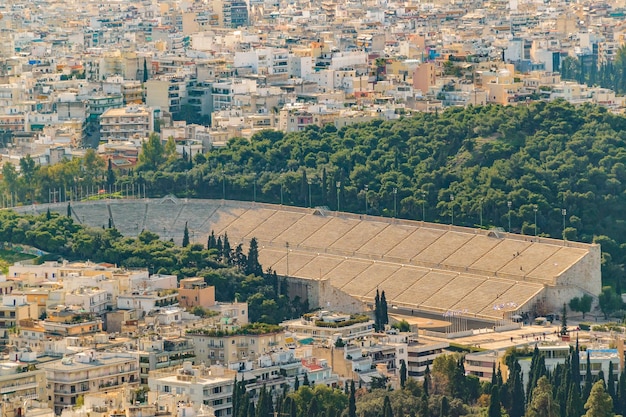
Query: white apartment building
[(326, 326), (92, 300), (212, 386)]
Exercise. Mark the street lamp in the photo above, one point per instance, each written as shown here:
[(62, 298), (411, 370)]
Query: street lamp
[(395, 202), (366, 190), (452, 209), (223, 185), (535, 210), (423, 206), (509, 204), (564, 213), (338, 184)]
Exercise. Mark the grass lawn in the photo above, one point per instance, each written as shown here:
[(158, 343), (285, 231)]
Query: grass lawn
[(8, 257)]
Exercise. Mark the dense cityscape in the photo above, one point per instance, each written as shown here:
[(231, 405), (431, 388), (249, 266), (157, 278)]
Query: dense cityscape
[(329, 208)]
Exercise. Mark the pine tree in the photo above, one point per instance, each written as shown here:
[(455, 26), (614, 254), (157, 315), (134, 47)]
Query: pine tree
[(185, 236), (599, 403), (543, 403)]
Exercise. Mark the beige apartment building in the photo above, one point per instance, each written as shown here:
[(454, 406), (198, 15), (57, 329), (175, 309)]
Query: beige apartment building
[(126, 123), (89, 372), (195, 292)]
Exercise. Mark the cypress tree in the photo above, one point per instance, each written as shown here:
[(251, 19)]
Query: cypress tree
[(444, 409), (494, 403), (403, 373), (253, 266), (424, 410), (588, 379), (185, 236), (110, 174), (296, 384), (377, 311), (226, 250), (251, 410), (211, 242), (48, 215), (384, 315), (426, 385), (352, 400), (306, 380), (145, 70), (69, 210), (219, 247), (621, 394), (387, 412), (575, 405)]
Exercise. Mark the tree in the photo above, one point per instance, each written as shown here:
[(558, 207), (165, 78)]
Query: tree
[(599, 403), (543, 404), (146, 75), (610, 389), (494, 403), (403, 373), (110, 174), (444, 409), (185, 236), (582, 304), (377, 319), (609, 301), (387, 412), (69, 210), (564, 320), (252, 263), (352, 400), (152, 154), (384, 314)]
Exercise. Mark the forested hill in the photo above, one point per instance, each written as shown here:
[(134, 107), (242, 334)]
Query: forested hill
[(446, 166), (548, 156)]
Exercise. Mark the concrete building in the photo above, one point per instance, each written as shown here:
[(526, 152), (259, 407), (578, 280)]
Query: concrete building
[(17, 382), (212, 386), (13, 309), (89, 372), (228, 346), (421, 353), (328, 327), (126, 123), (195, 292), (157, 352)]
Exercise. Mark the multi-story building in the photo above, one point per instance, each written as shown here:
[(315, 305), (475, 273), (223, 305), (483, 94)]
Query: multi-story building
[(167, 93), (19, 384), (63, 321), (13, 309), (158, 353), (421, 354), (212, 386), (126, 123), (228, 346), (231, 13), (195, 292), (92, 300), (326, 326), (89, 372)]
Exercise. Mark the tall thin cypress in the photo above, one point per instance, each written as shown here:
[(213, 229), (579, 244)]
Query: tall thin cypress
[(352, 400), (377, 311), (588, 379), (384, 314), (610, 386)]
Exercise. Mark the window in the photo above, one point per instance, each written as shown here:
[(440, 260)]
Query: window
[(217, 390), (166, 388)]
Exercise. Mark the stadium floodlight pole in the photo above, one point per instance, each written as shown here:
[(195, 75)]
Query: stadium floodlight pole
[(564, 213), (509, 204), (535, 210), (281, 192), (366, 189), (338, 184), (452, 209), (395, 202), (254, 189), (481, 213), (309, 181), (423, 206), (223, 185)]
